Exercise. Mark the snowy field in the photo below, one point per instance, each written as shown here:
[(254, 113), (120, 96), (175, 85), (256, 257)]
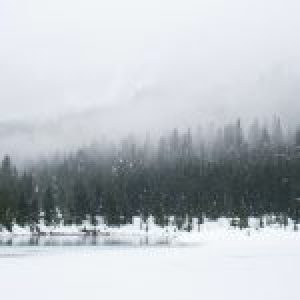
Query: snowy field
[(212, 265)]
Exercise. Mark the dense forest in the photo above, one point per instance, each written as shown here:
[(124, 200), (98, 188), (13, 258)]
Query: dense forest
[(231, 171)]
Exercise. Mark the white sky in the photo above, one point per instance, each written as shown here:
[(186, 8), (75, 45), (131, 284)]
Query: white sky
[(218, 56)]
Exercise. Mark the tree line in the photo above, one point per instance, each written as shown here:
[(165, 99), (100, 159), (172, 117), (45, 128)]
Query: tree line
[(226, 171)]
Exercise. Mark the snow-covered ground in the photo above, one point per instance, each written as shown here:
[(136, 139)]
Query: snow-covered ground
[(214, 264), (220, 227)]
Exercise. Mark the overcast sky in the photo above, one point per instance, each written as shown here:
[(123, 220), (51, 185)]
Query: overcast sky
[(173, 60)]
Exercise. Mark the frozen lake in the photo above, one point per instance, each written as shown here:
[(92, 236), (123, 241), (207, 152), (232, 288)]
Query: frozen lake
[(83, 241), (228, 269)]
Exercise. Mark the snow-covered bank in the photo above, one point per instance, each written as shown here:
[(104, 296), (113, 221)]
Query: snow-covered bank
[(237, 269), (222, 228), (140, 235)]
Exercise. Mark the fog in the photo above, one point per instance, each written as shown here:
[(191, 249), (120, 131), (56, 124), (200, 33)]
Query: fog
[(72, 71)]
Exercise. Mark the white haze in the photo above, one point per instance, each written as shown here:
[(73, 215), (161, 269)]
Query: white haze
[(71, 70)]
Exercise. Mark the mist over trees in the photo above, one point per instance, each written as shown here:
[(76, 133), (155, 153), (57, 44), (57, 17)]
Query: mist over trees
[(229, 171)]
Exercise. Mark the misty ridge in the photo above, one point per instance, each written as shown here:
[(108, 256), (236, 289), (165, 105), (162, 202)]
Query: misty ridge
[(26, 142), (151, 110)]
